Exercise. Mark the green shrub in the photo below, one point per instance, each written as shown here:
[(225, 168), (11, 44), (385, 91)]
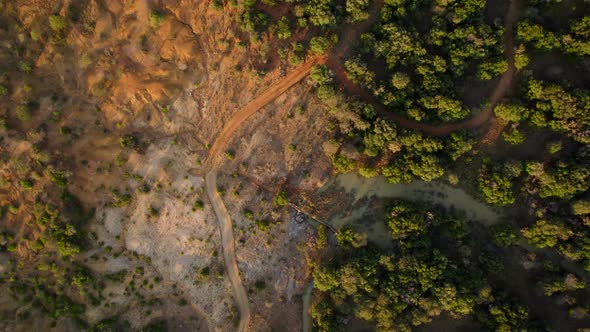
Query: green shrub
[(281, 199), (120, 200), (199, 205), (262, 224), (23, 113), (35, 34), (58, 177), (26, 184), (25, 67), (57, 23), (260, 285), (129, 142), (554, 147), (153, 212), (13, 209), (156, 19)]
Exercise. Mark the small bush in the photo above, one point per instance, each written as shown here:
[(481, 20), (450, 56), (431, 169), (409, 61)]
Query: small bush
[(129, 141), (281, 199), (35, 34), (57, 23), (153, 212), (26, 184), (13, 209), (260, 285), (25, 67), (199, 205), (23, 113), (156, 19)]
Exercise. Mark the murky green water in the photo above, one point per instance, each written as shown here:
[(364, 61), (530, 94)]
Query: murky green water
[(442, 194), (306, 303), (438, 193)]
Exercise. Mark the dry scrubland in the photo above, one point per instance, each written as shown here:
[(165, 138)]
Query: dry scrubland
[(170, 85)]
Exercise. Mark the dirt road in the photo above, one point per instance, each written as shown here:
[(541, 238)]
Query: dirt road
[(255, 105), (229, 249), (225, 223)]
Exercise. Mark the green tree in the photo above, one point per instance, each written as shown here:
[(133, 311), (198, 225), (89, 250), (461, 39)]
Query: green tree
[(342, 163), (535, 35), (563, 182), (357, 10), (284, 28), (379, 138), (319, 44), (400, 80), (405, 220), (322, 239), (358, 72), (447, 108), (492, 68), (581, 207), (513, 136), (496, 189), (503, 234), (512, 112), (547, 234), (321, 12), (348, 237), (578, 41), (426, 167), (321, 74)]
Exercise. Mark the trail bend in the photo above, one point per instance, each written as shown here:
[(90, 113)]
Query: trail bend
[(443, 129), (223, 216)]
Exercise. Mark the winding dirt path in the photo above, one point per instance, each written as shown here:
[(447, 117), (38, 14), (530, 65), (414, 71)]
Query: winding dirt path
[(503, 86), (223, 217), (255, 105), (229, 250)]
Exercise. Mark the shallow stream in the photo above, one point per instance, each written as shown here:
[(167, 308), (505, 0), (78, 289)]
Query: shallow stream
[(437, 193), (361, 188)]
